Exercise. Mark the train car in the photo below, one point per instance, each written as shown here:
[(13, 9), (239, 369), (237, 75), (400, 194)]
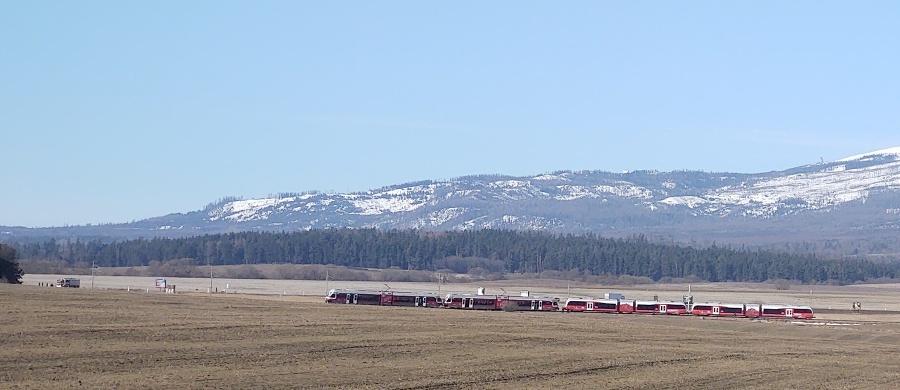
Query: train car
[(597, 305), (384, 298), (529, 303), (719, 309), (786, 311), (357, 297), (646, 307), (577, 305), (587, 305), (657, 307), (472, 301), (672, 308), (497, 302), (412, 299)]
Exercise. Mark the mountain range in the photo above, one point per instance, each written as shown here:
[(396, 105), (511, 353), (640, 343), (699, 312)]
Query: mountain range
[(854, 197)]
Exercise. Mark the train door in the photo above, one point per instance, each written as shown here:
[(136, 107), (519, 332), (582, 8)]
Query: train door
[(536, 305), (789, 312), (351, 299), (715, 310), (590, 306), (662, 309), (468, 303)]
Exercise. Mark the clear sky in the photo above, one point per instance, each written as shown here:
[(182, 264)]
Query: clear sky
[(124, 110)]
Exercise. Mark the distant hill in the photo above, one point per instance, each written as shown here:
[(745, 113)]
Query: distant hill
[(855, 199)]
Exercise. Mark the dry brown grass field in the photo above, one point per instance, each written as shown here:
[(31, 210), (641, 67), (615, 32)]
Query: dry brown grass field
[(113, 339)]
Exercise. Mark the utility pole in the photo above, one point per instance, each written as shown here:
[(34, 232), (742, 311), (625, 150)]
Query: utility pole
[(93, 265), (209, 264), (326, 281)]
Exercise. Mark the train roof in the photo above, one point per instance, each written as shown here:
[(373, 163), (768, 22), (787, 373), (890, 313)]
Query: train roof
[(530, 298), (777, 306), (418, 294), (601, 300), (351, 291), (383, 292), (469, 295), (509, 297), (720, 304)]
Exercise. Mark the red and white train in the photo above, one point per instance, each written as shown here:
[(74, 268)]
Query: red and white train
[(679, 308), (588, 305), (384, 298)]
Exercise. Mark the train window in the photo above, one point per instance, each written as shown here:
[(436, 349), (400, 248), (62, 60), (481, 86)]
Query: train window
[(701, 307), (731, 310), (802, 311), (646, 307), (605, 305), (576, 303), (773, 311)]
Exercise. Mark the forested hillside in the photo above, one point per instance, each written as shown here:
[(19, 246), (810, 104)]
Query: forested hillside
[(460, 251)]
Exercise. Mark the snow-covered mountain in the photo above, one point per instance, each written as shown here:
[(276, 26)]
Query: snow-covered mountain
[(851, 194)]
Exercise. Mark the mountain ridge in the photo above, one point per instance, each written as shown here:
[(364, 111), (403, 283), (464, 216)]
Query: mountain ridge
[(850, 195)]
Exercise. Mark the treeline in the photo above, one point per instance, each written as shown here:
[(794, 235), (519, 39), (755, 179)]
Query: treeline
[(462, 251)]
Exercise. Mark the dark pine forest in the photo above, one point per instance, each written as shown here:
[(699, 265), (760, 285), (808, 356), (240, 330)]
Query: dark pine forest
[(500, 251)]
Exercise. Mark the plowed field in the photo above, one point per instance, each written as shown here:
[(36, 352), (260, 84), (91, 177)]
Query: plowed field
[(63, 338)]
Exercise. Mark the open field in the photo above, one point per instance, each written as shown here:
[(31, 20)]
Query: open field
[(876, 297), (52, 337)]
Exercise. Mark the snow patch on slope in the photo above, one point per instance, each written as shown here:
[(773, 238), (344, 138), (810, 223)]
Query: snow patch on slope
[(895, 151), (376, 206), (547, 177), (816, 189), (247, 210), (689, 201)]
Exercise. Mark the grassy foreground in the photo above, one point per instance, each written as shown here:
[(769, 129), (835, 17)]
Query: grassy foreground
[(53, 338)]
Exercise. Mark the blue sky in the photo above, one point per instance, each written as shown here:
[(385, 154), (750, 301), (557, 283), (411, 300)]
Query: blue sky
[(118, 111)]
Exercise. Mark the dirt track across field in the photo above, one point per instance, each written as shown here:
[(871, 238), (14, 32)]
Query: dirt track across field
[(104, 339)]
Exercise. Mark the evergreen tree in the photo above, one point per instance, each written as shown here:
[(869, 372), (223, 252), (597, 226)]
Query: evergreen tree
[(9, 267)]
